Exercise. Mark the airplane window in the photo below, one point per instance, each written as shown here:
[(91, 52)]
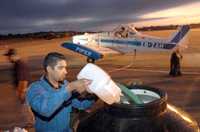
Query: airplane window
[(125, 32)]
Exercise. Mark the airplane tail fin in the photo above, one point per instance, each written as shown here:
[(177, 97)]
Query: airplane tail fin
[(180, 34)]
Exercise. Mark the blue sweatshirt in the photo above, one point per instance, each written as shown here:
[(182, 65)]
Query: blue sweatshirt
[(45, 100)]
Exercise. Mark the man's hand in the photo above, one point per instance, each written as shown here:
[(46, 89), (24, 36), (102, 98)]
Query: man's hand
[(96, 106), (78, 85)]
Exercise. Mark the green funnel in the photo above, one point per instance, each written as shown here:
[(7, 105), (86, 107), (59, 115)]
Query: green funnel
[(133, 98)]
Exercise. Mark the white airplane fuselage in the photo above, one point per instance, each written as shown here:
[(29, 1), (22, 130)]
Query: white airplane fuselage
[(124, 39), (125, 45)]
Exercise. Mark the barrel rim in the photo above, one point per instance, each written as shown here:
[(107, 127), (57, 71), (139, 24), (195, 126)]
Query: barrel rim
[(152, 108)]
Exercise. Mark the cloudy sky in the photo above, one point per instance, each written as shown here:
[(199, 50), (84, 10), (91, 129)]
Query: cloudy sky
[(22, 16)]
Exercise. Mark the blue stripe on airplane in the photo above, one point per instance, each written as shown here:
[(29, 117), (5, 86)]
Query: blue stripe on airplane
[(138, 43), (169, 46), (135, 43)]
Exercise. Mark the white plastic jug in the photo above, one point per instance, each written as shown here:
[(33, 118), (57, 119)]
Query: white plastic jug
[(102, 85)]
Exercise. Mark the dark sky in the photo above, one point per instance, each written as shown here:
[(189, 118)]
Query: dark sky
[(22, 16)]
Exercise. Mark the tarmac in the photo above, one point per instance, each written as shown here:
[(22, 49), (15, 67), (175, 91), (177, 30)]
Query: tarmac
[(182, 91), (149, 69)]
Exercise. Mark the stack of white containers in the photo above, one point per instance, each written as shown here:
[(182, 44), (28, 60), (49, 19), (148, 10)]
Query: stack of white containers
[(102, 85)]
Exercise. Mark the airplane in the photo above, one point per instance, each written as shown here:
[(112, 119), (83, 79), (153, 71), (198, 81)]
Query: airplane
[(124, 39)]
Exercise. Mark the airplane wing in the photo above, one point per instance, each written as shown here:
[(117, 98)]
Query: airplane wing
[(92, 52)]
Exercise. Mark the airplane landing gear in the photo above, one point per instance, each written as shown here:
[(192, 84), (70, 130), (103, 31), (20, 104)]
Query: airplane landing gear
[(90, 60)]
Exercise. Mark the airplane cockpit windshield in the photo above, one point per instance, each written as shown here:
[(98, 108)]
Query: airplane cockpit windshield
[(124, 32)]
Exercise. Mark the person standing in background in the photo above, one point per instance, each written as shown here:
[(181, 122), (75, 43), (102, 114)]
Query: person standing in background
[(175, 66), (21, 73)]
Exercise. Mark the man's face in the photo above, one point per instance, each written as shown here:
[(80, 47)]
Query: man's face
[(59, 72)]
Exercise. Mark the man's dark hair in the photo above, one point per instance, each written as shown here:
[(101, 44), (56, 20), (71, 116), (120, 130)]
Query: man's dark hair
[(52, 58), (11, 52)]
